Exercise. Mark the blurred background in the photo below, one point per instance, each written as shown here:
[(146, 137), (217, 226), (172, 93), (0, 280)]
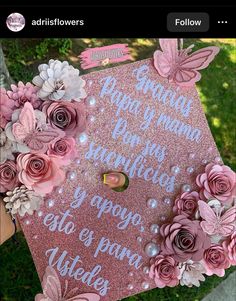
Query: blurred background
[(217, 90)]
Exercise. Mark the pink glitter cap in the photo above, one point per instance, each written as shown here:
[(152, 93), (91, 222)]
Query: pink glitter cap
[(143, 126)]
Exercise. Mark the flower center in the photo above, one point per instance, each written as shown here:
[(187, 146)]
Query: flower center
[(36, 167), (184, 240), (61, 118), (22, 100), (8, 174), (59, 85)]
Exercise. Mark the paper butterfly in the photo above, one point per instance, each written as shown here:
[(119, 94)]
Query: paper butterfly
[(52, 290), (179, 66), (36, 135), (216, 223)]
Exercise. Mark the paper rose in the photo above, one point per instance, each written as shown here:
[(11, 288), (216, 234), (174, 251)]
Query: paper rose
[(230, 248), (215, 261), (7, 106), (191, 273), (58, 80), (39, 172), (164, 271), (184, 239), (186, 204), (69, 117), (217, 182), (22, 201), (63, 149), (8, 176), (22, 93)]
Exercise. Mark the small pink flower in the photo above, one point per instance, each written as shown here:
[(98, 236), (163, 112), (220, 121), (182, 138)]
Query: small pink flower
[(8, 176), (184, 239), (164, 271), (63, 150), (67, 116), (229, 246), (217, 182), (215, 261), (6, 108), (22, 93), (186, 204), (39, 172)]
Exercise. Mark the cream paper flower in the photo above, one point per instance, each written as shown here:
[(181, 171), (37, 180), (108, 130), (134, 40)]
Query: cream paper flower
[(22, 200), (59, 81), (5, 147), (9, 146), (191, 273)]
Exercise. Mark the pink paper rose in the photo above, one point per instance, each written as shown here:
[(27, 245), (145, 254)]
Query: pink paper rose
[(22, 93), (6, 108), (67, 116), (184, 239), (217, 182), (229, 246), (39, 172), (164, 271), (63, 150), (215, 261), (8, 176), (186, 204)]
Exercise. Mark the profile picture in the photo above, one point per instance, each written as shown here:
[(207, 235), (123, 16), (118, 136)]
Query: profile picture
[(15, 22)]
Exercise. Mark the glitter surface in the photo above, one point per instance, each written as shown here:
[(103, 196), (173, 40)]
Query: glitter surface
[(89, 171)]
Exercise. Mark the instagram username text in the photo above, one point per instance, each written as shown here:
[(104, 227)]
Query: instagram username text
[(57, 22)]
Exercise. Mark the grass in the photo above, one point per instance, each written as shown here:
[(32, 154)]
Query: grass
[(19, 280)]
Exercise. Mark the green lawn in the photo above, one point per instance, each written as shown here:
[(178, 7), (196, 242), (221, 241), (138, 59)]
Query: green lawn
[(19, 280)]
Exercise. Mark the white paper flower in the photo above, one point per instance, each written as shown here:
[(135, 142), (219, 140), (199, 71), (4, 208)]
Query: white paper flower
[(5, 147), (191, 273), (22, 200), (59, 81)]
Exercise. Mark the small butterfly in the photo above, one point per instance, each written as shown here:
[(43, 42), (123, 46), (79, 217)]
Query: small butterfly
[(179, 66), (36, 134), (52, 290), (216, 223)]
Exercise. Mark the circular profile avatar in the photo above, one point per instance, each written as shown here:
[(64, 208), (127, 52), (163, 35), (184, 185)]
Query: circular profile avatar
[(15, 22)]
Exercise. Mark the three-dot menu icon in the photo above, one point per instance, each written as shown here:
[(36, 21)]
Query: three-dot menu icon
[(222, 22)]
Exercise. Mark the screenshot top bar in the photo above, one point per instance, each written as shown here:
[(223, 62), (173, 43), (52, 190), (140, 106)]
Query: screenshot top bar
[(118, 21)]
